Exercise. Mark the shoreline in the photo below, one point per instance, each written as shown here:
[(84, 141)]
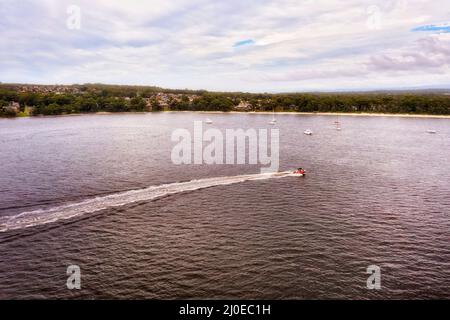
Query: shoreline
[(350, 114)]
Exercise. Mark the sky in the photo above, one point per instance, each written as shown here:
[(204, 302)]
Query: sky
[(233, 45)]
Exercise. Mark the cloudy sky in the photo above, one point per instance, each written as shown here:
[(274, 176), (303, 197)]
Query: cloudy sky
[(238, 45)]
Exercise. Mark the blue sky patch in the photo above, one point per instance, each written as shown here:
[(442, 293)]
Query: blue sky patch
[(244, 43), (433, 28)]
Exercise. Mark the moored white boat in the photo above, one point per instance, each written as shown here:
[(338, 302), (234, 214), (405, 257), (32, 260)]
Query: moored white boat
[(273, 121)]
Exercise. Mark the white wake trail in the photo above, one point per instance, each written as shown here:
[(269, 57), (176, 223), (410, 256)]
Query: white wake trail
[(76, 209)]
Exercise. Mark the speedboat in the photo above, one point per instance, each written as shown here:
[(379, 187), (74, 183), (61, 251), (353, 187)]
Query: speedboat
[(299, 173), (208, 121), (431, 131), (308, 132)]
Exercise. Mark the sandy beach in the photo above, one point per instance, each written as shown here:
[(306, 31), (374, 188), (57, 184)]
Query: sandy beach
[(402, 115)]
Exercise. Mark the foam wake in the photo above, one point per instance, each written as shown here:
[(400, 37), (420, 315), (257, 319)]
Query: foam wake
[(76, 209)]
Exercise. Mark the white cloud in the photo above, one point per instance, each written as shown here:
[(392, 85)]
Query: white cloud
[(298, 44)]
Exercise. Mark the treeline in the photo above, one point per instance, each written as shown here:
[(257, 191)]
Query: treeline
[(97, 98), (380, 103), (371, 103), (408, 103), (55, 104)]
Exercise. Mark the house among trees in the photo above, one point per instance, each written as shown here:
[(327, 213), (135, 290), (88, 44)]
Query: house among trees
[(13, 107), (243, 106)]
